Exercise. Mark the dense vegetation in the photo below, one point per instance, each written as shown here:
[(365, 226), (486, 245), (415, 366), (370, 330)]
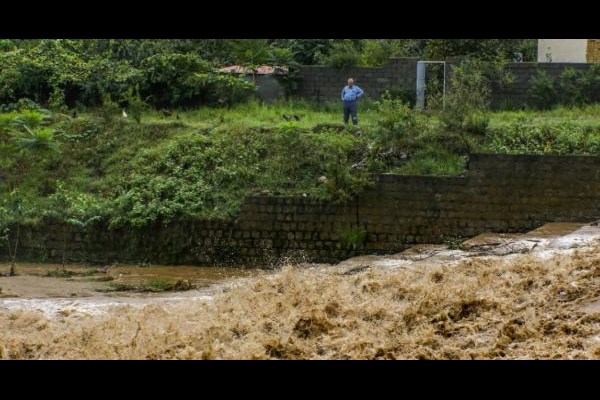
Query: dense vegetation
[(133, 131), (571, 88), (203, 163), (180, 73)]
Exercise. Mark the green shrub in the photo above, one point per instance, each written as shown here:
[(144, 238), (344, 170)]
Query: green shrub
[(59, 273), (225, 89), (468, 92), (433, 161), (343, 55), (134, 103), (171, 79), (35, 142), (396, 122), (476, 122), (569, 88), (157, 285), (109, 109), (589, 82), (564, 138), (542, 91), (405, 96), (352, 238)]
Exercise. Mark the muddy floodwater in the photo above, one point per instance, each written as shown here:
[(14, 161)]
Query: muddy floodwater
[(533, 295), (51, 288)]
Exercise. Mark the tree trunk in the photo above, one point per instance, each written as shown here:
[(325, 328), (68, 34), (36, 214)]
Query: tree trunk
[(64, 253), (13, 257)]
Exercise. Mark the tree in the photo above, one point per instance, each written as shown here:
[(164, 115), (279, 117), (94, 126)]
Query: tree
[(483, 49), (11, 217), (28, 147), (252, 53), (74, 209)]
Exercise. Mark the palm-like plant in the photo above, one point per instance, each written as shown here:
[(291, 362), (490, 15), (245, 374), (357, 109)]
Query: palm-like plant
[(40, 141), (30, 144)]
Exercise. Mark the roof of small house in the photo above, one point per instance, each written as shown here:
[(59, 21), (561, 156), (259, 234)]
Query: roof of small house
[(261, 70)]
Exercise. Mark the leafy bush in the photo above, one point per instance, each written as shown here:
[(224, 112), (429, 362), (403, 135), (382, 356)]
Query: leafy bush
[(23, 76), (17, 120), (377, 52), (396, 122), (571, 88), (469, 91), (35, 142), (225, 89), (134, 103), (352, 238), (542, 92), (78, 209), (109, 79), (433, 161), (564, 138), (63, 73), (21, 105), (78, 130), (171, 79), (569, 92), (404, 95), (476, 122), (110, 109), (589, 84), (343, 55)]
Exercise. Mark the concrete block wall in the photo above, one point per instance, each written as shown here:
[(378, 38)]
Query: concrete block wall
[(500, 193), (326, 83)]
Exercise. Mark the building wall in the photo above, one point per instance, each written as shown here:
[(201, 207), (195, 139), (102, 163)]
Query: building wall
[(269, 88), (325, 83), (562, 50), (501, 193), (593, 50), (518, 93)]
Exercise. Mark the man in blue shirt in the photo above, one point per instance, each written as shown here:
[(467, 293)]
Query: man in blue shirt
[(350, 95)]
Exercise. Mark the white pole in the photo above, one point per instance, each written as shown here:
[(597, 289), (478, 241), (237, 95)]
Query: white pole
[(420, 85), (444, 93)]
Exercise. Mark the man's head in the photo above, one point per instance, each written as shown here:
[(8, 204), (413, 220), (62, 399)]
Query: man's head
[(350, 82)]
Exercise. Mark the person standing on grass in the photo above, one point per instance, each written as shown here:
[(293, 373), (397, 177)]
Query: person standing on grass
[(350, 95)]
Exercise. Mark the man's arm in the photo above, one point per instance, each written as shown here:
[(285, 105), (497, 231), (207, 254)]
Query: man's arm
[(360, 92)]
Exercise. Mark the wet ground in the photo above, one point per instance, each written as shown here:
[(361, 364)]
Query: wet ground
[(51, 288)]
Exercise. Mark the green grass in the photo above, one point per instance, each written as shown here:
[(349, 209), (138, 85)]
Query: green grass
[(259, 115), (578, 116), (154, 285), (59, 273), (433, 161), (204, 163), (561, 131)]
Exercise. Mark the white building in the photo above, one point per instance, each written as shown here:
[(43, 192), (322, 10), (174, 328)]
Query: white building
[(569, 50)]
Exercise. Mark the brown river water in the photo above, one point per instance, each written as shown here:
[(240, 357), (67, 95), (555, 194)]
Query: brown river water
[(496, 296), (87, 290)]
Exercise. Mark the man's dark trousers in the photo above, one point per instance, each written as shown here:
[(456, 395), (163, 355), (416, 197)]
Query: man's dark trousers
[(350, 108)]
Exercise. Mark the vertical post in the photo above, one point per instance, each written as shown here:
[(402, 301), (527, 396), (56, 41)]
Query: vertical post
[(420, 85), (444, 93)]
